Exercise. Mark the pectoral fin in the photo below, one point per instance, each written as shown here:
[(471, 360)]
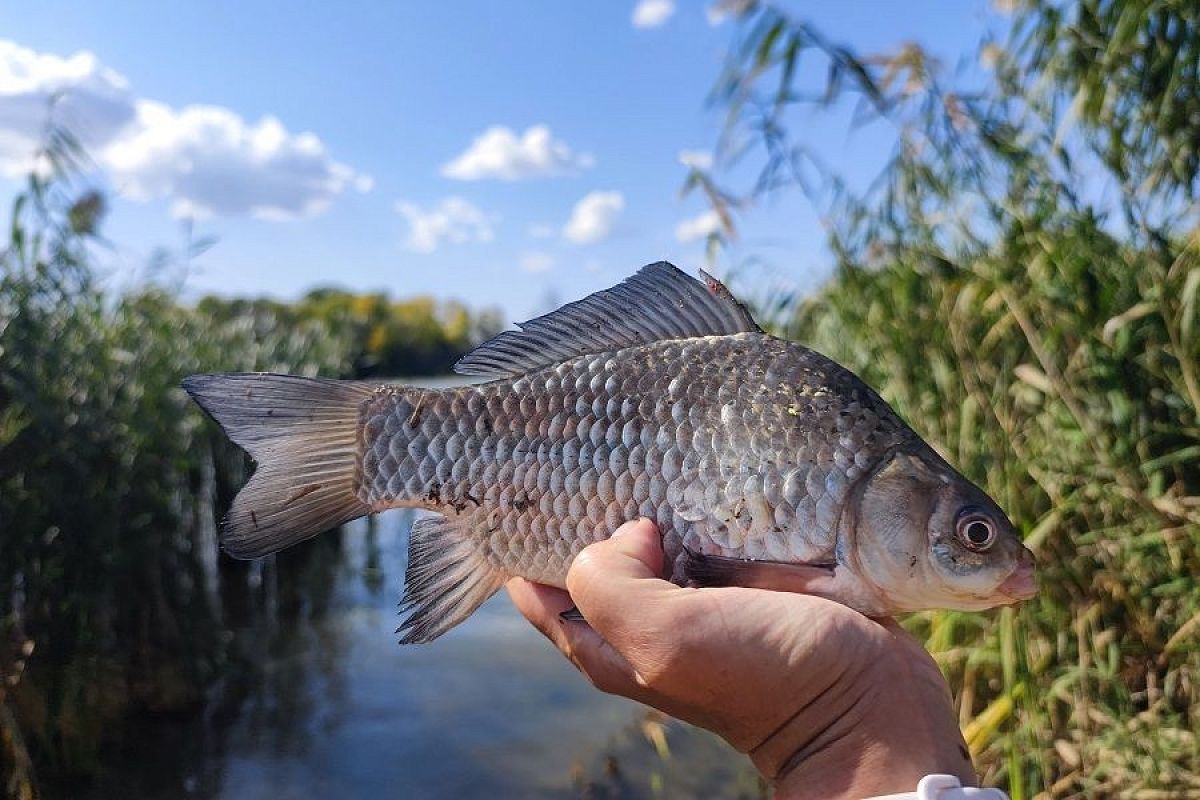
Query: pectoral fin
[(707, 570)]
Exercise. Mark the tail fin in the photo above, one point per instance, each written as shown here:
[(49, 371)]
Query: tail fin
[(303, 433)]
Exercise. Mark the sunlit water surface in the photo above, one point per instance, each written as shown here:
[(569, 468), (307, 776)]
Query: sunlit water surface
[(329, 705)]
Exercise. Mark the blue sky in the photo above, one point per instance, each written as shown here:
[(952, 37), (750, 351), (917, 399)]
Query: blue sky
[(500, 153)]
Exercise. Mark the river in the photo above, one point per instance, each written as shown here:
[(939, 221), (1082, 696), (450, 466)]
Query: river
[(322, 702)]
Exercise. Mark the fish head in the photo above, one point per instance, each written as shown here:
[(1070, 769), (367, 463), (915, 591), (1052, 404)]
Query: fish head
[(925, 537)]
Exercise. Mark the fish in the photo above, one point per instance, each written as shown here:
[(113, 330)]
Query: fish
[(762, 462)]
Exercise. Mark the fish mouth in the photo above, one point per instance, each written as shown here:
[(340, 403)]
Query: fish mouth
[(1021, 584)]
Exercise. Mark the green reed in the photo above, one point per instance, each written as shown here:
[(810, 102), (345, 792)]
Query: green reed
[(110, 477), (1022, 283)]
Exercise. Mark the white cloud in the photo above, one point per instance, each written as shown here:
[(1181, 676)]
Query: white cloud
[(76, 93), (698, 227), (696, 159), (499, 153), (209, 160), (540, 230), (652, 13), (205, 159), (452, 220), (536, 261), (593, 217)]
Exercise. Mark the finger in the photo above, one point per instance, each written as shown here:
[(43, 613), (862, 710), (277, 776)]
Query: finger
[(616, 585), (583, 647), (612, 577), (636, 541), (539, 603)]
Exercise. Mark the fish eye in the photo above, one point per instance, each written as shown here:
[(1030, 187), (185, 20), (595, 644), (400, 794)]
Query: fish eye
[(975, 530)]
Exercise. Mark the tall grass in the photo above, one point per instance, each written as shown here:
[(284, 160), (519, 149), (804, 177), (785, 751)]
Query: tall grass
[(107, 480), (110, 584), (1022, 282), (1073, 408)]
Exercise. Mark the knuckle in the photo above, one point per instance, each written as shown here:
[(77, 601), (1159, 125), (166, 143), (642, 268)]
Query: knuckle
[(583, 572), (594, 592)]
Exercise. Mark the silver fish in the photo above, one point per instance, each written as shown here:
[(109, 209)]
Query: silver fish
[(763, 463)]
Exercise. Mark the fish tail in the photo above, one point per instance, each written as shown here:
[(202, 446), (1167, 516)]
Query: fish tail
[(303, 434)]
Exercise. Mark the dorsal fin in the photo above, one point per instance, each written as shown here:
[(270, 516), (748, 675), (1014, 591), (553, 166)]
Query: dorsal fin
[(659, 302)]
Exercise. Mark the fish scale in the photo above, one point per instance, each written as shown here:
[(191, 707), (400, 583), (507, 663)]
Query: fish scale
[(763, 463), (541, 466)]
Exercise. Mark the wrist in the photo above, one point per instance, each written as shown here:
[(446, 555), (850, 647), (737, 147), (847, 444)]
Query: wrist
[(897, 729), (860, 766)]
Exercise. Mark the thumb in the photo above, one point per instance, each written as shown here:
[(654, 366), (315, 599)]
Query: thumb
[(615, 581), (634, 550)]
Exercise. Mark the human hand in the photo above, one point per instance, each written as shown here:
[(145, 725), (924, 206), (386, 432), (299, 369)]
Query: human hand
[(826, 702)]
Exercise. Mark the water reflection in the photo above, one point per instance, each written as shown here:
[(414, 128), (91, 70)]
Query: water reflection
[(320, 701)]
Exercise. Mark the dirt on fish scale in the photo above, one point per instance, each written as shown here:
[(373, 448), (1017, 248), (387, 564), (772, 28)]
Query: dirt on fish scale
[(741, 445)]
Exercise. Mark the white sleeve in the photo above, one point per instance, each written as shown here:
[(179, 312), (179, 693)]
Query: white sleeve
[(944, 787)]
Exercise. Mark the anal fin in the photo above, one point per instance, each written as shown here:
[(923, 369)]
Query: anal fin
[(448, 577)]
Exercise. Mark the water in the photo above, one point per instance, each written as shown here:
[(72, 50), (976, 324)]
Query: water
[(322, 702)]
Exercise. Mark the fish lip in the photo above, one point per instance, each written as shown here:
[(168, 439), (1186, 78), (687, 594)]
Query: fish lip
[(1021, 583)]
